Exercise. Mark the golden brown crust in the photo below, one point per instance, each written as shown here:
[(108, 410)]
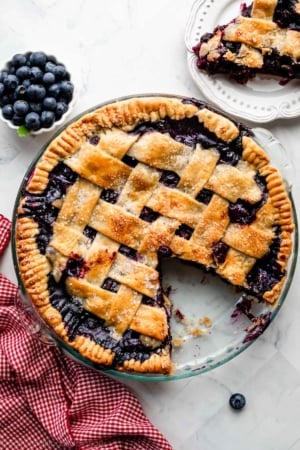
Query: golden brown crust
[(101, 168)]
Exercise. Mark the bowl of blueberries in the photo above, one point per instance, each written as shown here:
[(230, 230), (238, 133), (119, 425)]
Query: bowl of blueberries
[(36, 92)]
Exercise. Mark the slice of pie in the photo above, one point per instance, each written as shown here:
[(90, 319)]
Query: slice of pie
[(264, 39), (131, 183)]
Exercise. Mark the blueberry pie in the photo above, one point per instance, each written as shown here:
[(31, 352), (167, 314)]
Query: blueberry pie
[(131, 183), (263, 39)]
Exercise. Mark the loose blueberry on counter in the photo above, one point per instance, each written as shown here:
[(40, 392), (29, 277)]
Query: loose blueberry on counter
[(237, 401)]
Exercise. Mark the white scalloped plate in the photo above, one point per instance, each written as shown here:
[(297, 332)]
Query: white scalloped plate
[(261, 100)]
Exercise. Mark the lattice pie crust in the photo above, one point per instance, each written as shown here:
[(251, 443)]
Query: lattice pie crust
[(130, 183)]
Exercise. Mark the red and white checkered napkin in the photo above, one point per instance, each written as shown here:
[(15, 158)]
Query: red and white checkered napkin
[(48, 401)]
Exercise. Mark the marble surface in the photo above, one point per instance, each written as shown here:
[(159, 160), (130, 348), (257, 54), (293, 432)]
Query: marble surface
[(125, 47)]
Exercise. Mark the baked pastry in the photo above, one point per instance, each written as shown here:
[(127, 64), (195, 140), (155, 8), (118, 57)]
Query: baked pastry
[(263, 39), (126, 185)]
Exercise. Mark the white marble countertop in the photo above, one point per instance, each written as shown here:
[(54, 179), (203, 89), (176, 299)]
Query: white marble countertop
[(124, 47)]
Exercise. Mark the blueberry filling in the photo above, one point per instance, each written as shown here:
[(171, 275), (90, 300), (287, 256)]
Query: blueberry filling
[(75, 267), (110, 285), (243, 212), (219, 251), (131, 347), (266, 272), (148, 214), (40, 207), (94, 140), (169, 178), (184, 231), (205, 196), (90, 233), (130, 161), (191, 132), (164, 251), (78, 321), (131, 253), (285, 14), (109, 195)]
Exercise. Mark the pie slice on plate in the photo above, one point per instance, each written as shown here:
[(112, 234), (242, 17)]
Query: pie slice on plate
[(263, 39)]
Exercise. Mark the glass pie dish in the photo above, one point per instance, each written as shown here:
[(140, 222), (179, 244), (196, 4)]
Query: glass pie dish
[(212, 322)]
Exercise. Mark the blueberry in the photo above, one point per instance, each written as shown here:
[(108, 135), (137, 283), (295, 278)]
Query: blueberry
[(49, 103), (4, 100), (2, 89), (109, 195), (23, 72), (20, 92), (50, 66), (237, 401), (8, 111), (11, 82), (21, 107), (219, 251), (3, 75), (17, 120), (66, 87), (32, 121), (38, 59), (36, 92), (61, 108), (164, 251), (36, 107), (59, 71), (36, 75), (169, 178), (48, 78), (19, 59), (47, 119), (26, 83), (54, 90)]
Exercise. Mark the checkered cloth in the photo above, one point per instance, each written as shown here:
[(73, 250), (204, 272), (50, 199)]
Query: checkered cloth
[(48, 401)]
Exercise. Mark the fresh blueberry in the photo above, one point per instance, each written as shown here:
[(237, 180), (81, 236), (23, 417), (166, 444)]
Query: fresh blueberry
[(38, 59), (3, 75), (48, 78), (11, 82), (21, 107), (47, 119), (66, 87), (2, 89), (36, 107), (20, 92), (32, 121), (49, 103), (54, 90), (36, 75), (19, 60), (17, 120), (5, 100), (59, 71), (237, 401), (36, 92), (23, 72), (8, 111), (50, 66), (26, 83), (61, 108)]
